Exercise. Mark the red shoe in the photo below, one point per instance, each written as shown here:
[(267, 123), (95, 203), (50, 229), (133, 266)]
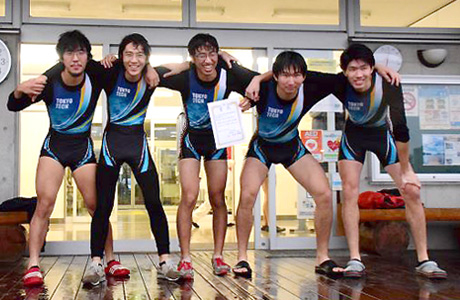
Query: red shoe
[(33, 277), (220, 268), (185, 270), (114, 268)]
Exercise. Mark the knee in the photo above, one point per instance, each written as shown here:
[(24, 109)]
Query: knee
[(44, 209), (217, 199), (247, 201), (91, 209), (350, 191), (218, 204), (247, 197), (411, 194), (189, 199), (323, 200)]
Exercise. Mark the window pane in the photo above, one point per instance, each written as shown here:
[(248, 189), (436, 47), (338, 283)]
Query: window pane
[(410, 13), (2, 8), (313, 12), (161, 10)]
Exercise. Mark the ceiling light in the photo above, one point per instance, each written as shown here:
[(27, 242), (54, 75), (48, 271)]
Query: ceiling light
[(432, 58)]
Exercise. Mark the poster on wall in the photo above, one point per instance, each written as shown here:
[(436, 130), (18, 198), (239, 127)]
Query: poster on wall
[(331, 145), (312, 139), (410, 94), (454, 107), (441, 149), (452, 150), (433, 150), (434, 107)]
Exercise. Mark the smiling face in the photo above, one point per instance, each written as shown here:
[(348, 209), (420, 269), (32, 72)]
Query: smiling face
[(205, 60), (134, 61), (75, 61), (359, 74), (288, 83)]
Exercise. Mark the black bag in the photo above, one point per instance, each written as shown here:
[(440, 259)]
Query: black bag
[(20, 204)]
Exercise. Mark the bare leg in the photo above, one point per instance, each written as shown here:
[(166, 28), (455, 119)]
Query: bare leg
[(315, 182), (252, 176), (265, 204), (85, 178), (189, 170), (48, 181), (349, 173), (216, 173), (415, 214)]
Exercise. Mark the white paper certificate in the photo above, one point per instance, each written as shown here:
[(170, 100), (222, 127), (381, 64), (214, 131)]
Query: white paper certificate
[(226, 121)]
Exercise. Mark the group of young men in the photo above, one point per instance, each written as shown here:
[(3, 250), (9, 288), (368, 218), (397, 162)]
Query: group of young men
[(376, 122)]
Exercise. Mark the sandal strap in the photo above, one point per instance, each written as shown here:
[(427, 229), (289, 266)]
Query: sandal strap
[(242, 264), (355, 265)]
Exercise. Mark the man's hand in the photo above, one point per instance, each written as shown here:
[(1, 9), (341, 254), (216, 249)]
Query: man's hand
[(32, 87), (176, 68), (245, 104), (389, 74), (108, 60), (151, 77), (253, 89), (408, 177), (228, 58)]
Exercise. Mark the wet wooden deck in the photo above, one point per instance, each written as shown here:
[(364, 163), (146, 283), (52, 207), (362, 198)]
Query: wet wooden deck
[(277, 275)]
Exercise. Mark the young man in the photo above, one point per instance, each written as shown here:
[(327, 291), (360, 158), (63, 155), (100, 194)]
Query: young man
[(283, 101), (367, 99), (207, 80), (70, 96), (125, 141)]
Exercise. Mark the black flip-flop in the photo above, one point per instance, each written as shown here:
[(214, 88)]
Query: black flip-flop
[(240, 265), (327, 268)]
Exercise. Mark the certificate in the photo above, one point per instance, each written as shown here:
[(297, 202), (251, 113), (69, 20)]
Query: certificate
[(226, 121)]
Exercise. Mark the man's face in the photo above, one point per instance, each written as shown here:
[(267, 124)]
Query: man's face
[(359, 74), (134, 59), (205, 60), (75, 61), (289, 80)]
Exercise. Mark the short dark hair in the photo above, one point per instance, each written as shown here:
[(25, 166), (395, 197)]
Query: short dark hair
[(137, 40), (71, 41), (287, 60), (202, 40), (356, 52)]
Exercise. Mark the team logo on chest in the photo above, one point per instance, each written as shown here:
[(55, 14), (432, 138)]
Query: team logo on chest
[(199, 98), (274, 112), (123, 92), (355, 106), (63, 103)]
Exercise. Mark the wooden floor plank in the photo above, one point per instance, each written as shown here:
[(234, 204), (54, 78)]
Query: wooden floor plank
[(71, 282), (327, 287), (306, 285), (266, 287), (17, 290), (10, 274), (135, 289), (276, 276), (156, 288), (226, 287)]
